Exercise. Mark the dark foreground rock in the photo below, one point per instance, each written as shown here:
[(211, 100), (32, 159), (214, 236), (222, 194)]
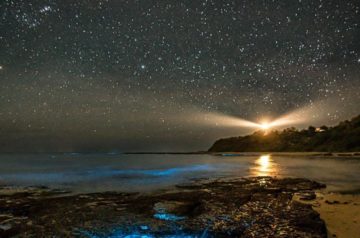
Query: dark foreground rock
[(246, 207)]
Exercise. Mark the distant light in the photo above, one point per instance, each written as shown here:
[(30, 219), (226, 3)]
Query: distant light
[(318, 129), (265, 126), (1, 67), (143, 66), (292, 118)]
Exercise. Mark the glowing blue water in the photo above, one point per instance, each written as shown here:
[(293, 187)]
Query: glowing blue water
[(168, 217), (108, 172), (136, 234)]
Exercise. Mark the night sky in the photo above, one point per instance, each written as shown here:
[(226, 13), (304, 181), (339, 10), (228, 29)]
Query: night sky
[(140, 75)]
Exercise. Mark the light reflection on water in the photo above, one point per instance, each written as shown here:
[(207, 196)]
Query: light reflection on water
[(264, 166), (97, 173)]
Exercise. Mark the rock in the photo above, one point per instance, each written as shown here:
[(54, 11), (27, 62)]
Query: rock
[(5, 227), (306, 195), (246, 207), (8, 230), (92, 204), (333, 202)]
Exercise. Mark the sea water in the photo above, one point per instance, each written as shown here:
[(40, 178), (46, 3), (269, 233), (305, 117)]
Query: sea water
[(82, 173)]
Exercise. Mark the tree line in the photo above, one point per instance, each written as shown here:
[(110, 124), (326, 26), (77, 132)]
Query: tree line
[(343, 137)]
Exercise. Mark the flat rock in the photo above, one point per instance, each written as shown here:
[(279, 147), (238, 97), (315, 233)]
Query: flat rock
[(243, 207)]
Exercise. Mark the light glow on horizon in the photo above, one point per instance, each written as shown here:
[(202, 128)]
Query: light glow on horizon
[(217, 119), (292, 118), (311, 114)]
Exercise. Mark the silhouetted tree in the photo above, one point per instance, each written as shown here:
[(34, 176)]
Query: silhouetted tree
[(343, 137)]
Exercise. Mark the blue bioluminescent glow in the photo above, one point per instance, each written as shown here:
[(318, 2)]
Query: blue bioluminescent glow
[(173, 171), (136, 234), (144, 227), (168, 217), (153, 172), (101, 172)]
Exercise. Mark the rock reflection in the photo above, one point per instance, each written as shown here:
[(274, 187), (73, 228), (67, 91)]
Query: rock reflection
[(264, 166)]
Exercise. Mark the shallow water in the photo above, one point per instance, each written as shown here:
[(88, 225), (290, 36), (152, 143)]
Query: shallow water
[(106, 172)]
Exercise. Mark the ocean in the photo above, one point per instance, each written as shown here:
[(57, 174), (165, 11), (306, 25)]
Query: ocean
[(87, 173)]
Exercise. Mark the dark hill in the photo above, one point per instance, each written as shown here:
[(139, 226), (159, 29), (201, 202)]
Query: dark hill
[(343, 137)]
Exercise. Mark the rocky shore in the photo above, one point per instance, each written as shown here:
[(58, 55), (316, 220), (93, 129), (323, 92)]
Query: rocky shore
[(244, 207)]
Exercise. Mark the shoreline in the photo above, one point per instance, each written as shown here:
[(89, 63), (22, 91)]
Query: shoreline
[(341, 212), (255, 153), (296, 154)]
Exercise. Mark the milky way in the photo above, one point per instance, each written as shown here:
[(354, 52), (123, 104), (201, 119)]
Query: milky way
[(138, 74)]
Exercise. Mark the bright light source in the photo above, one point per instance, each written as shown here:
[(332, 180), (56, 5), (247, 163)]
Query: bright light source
[(265, 126)]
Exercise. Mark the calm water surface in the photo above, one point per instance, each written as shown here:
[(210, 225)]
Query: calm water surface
[(97, 173)]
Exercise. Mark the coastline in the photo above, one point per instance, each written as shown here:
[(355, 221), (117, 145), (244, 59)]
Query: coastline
[(295, 154), (271, 153)]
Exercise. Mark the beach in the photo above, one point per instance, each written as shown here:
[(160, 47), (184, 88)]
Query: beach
[(341, 213)]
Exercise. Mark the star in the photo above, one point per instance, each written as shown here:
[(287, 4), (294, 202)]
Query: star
[(154, 68)]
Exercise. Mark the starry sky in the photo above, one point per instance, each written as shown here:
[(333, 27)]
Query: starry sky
[(140, 75)]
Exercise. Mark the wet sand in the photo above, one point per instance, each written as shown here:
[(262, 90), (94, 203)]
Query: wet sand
[(341, 213)]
